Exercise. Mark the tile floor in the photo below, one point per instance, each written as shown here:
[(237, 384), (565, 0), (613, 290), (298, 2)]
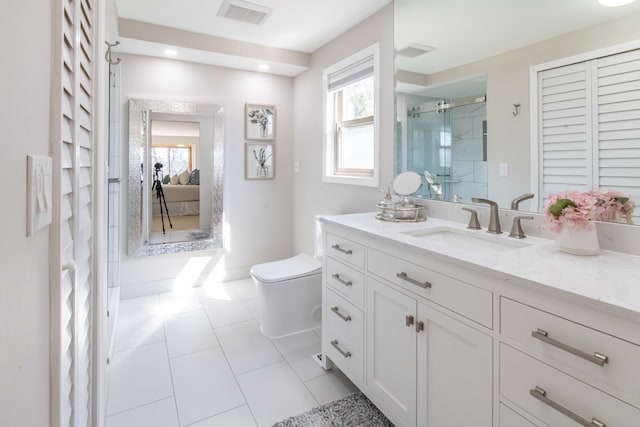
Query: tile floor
[(198, 359)]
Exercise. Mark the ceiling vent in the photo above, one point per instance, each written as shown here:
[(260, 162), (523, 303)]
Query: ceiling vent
[(414, 50), (244, 11)]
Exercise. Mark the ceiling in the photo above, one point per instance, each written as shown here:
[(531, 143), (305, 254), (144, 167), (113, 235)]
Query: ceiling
[(461, 30), (464, 31), (295, 28)]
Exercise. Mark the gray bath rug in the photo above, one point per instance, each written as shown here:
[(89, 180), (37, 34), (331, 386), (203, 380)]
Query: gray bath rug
[(354, 410)]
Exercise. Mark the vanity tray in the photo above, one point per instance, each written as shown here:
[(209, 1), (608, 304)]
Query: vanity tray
[(400, 212)]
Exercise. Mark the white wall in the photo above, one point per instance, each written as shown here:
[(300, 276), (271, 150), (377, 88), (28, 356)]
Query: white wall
[(24, 261), (508, 84), (310, 195), (258, 213)]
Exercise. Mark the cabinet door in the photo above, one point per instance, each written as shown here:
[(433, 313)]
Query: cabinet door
[(455, 372), (391, 349)]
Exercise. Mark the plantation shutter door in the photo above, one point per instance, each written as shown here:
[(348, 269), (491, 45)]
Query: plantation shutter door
[(72, 234), (618, 122), (564, 129)]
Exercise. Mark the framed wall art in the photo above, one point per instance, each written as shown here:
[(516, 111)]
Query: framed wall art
[(258, 160), (259, 122)]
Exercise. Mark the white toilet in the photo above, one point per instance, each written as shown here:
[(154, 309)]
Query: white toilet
[(290, 294)]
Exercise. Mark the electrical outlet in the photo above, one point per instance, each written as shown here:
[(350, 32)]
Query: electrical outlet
[(296, 167)]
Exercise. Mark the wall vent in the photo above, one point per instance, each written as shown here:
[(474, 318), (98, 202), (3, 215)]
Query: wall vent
[(244, 11), (414, 50)]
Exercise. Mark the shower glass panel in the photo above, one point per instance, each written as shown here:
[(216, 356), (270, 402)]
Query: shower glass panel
[(445, 142)]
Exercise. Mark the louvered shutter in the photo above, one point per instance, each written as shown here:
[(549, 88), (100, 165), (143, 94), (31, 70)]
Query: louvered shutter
[(72, 234), (589, 126), (618, 123), (564, 129)]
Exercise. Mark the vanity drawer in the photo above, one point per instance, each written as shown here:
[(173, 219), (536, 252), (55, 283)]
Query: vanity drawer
[(509, 418), (345, 336), (573, 344), (522, 377), (346, 281), (345, 250), (460, 297)]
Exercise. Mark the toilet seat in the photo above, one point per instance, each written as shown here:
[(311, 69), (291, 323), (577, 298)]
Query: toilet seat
[(301, 265)]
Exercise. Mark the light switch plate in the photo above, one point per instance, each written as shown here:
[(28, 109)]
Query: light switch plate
[(39, 192), (504, 169)]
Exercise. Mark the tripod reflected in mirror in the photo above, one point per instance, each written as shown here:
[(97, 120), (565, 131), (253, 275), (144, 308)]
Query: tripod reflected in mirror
[(157, 185)]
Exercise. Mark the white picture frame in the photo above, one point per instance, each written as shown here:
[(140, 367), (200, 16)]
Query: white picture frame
[(259, 122), (259, 160)]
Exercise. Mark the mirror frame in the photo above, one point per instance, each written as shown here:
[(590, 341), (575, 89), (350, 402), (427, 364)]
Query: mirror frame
[(139, 110)]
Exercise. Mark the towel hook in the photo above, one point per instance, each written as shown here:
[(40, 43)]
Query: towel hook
[(107, 54), (515, 109)]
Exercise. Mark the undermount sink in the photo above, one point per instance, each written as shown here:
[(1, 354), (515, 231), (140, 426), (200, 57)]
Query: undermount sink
[(474, 241)]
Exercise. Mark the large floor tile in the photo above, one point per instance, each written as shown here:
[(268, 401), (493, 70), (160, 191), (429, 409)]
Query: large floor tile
[(253, 305), (245, 289), (238, 417), (180, 302), (139, 323), (327, 388), (224, 312), (275, 393), (189, 333), (298, 350), (139, 376), (204, 386), (246, 348), (157, 414)]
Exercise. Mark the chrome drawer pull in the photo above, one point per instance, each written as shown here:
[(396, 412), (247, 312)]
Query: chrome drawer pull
[(541, 395), (597, 358), (406, 278), (340, 315), (344, 282), (345, 354), (344, 251)]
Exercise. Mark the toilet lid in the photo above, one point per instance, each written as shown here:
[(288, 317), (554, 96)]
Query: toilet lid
[(298, 266)]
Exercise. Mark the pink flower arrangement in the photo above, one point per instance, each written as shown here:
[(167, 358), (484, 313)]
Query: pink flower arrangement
[(578, 210)]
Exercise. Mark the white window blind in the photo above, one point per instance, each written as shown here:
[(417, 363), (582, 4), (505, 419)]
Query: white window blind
[(351, 74), (589, 126), (72, 233)]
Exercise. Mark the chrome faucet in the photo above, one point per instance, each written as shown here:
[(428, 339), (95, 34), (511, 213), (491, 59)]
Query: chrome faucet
[(517, 200), (517, 232), (494, 221)]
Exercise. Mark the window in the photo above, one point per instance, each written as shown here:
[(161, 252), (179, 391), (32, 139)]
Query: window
[(174, 159), (351, 120)]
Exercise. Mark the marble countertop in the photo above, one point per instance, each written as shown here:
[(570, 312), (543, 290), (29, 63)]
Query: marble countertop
[(609, 279)]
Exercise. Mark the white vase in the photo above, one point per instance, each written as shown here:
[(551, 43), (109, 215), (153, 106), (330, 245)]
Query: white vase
[(578, 241)]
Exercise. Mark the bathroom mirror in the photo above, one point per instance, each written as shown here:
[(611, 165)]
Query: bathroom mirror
[(406, 183), (437, 62), (175, 177)]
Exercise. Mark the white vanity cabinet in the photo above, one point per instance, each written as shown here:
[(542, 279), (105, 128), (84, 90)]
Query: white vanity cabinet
[(439, 339), (419, 363)]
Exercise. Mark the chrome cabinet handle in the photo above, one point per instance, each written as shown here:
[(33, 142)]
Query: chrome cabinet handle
[(345, 354), (406, 278), (597, 358), (419, 326), (344, 282), (408, 320), (344, 251), (340, 315), (541, 394)]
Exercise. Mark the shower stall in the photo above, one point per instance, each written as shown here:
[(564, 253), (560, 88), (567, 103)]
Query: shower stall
[(445, 141)]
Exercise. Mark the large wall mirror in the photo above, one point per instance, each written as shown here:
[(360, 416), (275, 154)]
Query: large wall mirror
[(467, 112), (175, 177)]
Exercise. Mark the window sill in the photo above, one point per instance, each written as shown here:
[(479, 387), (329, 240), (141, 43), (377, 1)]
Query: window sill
[(362, 181)]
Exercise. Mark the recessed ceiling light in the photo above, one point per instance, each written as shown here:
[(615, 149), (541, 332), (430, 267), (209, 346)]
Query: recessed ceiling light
[(615, 3), (170, 52), (263, 67)]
